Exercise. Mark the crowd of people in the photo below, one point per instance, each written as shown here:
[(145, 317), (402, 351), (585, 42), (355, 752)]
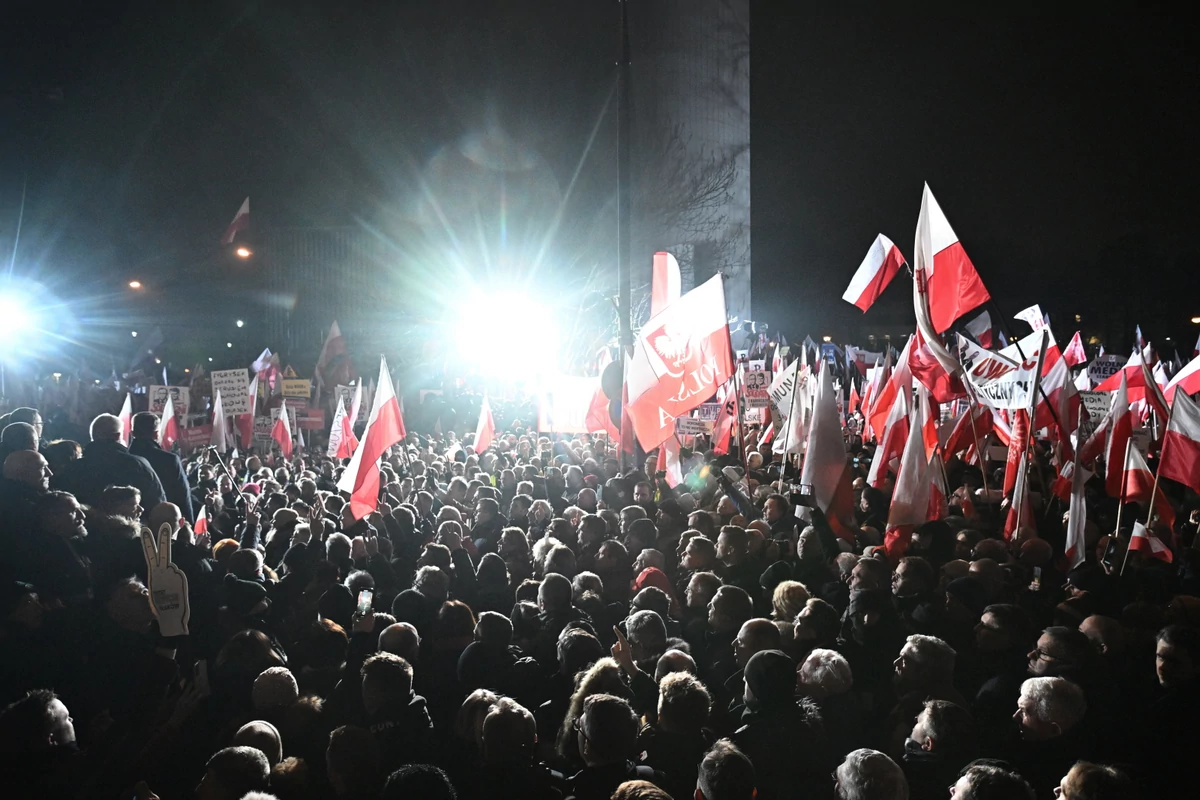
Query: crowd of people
[(548, 619)]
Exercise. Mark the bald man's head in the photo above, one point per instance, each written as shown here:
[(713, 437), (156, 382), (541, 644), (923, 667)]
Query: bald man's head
[(755, 636), (28, 468), (106, 428), (164, 512), (401, 639)]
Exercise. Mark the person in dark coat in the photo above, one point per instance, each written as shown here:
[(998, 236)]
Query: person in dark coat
[(106, 462), (166, 466)]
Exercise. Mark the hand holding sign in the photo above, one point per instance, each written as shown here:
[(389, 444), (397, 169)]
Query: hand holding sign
[(168, 585)]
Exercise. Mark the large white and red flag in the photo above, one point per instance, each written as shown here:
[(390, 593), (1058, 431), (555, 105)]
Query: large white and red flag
[(665, 283), (669, 461), (241, 221), (892, 437), (245, 422), (980, 327), (1076, 545), (681, 356), (281, 432), (1139, 487), (1120, 430), (928, 369), (968, 431), (126, 417), (384, 429), (1075, 354), (220, 425), (1153, 392), (168, 426), (825, 454), (1144, 541), (342, 442), (333, 349), (910, 496), (943, 272), (1187, 379), (883, 261), (485, 429), (1180, 456), (900, 380)]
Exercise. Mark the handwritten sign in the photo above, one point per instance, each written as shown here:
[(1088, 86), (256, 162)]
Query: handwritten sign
[(297, 387), (687, 426), (234, 386), (1105, 367)]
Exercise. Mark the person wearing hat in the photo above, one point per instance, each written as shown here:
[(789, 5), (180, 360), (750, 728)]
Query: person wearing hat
[(783, 737)]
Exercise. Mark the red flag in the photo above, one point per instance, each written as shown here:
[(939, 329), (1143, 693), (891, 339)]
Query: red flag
[(910, 497), (854, 401), (1075, 354), (943, 271), (1180, 458), (1139, 484), (1018, 443), (241, 221), (1120, 432), (891, 440), (126, 417), (245, 422), (384, 429), (485, 430), (281, 432), (668, 461), (875, 272), (597, 418), (980, 326), (929, 371), (1187, 379), (963, 436), (1020, 504), (899, 381), (1144, 541), (168, 426), (682, 355), (201, 525), (665, 283)]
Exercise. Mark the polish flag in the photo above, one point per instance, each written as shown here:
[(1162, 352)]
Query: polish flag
[(1020, 499), (668, 461), (892, 438), (335, 345), (768, 435), (1153, 392), (597, 418), (1144, 541), (938, 505), (929, 419), (281, 432), (384, 429), (910, 497), (681, 356), (927, 369), (726, 420), (1187, 379), (342, 442), (1196, 349), (1120, 431), (1141, 340), (899, 381), (220, 425), (876, 377), (201, 525), (241, 221), (168, 426), (1033, 316), (943, 271), (1075, 354), (825, 453), (1180, 457), (977, 422), (1083, 382), (1076, 546), (245, 422), (875, 272), (485, 430), (855, 401), (1018, 444), (980, 327), (1139, 486), (126, 417), (777, 359), (665, 284)]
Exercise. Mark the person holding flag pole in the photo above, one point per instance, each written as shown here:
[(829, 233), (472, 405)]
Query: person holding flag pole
[(1022, 478), (1149, 503)]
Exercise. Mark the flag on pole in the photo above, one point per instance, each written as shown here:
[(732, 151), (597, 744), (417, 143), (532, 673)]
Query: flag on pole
[(342, 442), (1033, 316), (220, 427), (881, 264), (281, 432), (1075, 354), (669, 462), (201, 525), (943, 271), (241, 221), (929, 371), (1076, 547), (1141, 340), (681, 356), (126, 417), (900, 381), (1120, 431), (245, 422), (168, 426), (333, 349), (1180, 456), (910, 497), (825, 453), (384, 429), (1187, 379), (665, 283), (1139, 486), (485, 430), (980, 328), (892, 436), (1144, 541)]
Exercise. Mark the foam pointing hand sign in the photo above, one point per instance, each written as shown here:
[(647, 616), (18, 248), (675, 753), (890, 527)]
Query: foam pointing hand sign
[(167, 584)]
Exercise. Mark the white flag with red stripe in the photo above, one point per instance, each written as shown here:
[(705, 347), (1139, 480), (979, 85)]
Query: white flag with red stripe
[(1187, 379), (825, 454), (281, 432), (1180, 457), (201, 525), (1120, 430), (943, 271), (1144, 541), (126, 417), (384, 429), (485, 429), (1076, 547), (669, 462), (665, 283), (168, 426), (892, 439), (910, 497), (882, 262), (241, 221), (1075, 354), (220, 425)]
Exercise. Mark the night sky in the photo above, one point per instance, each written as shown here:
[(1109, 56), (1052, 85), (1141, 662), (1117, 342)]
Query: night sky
[(1060, 148)]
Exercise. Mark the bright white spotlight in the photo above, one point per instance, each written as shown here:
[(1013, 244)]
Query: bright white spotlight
[(16, 319), (241, 323), (503, 337)]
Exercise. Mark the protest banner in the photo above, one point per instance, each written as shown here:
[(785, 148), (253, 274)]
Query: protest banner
[(181, 399), (262, 430), (234, 386), (781, 389), (297, 387), (709, 411), (756, 384), (1105, 367), (195, 436), (1096, 404), (311, 419), (998, 382), (689, 426)]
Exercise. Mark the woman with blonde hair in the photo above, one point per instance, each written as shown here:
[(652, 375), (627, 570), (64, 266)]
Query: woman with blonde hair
[(603, 677)]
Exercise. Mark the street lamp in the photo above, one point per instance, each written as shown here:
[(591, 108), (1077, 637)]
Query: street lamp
[(133, 334), (241, 323), (1196, 320), (135, 284), (243, 252)]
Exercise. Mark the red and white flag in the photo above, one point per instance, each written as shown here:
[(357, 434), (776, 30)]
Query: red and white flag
[(943, 271), (1180, 456), (855, 401), (384, 429), (1075, 354), (938, 502), (1120, 430), (726, 420), (342, 442), (1139, 487), (1033, 316), (1187, 379), (980, 327), (929, 371), (1144, 541), (168, 426), (126, 417), (825, 454), (245, 422), (1076, 546), (883, 261), (334, 347), (281, 432), (668, 461), (910, 497), (598, 418), (241, 221), (892, 437), (201, 525), (681, 356), (900, 380), (665, 284), (220, 425), (1153, 393), (1141, 340), (485, 429), (968, 431)]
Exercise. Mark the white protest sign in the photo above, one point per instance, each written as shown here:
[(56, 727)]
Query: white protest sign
[(234, 386), (181, 399), (1096, 404), (1105, 367), (755, 386), (262, 428), (998, 382), (784, 386), (687, 426)]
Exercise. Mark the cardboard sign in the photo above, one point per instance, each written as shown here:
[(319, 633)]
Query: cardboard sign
[(196, 436), (688, 426), (756, 384), (234, 386), (298, 403), (1096, 404), (347, 394), (181, 398), (1105, 367), (311, 419), (297, 387), (262, 428)]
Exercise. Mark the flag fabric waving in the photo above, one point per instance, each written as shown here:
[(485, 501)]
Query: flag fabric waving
[(1075, 354), (882, 263), (1120, 430), (485, 430), (281, 432), (681, 356), (384, 429), (245, 422), (1187, 379), (1180, 456), (201, 525), (220, 425), (1144, 541), (342, 442), (943, 271), (665, 282), (241, 221), (910, 497), (825, 454), (126, 417), (168, 426)]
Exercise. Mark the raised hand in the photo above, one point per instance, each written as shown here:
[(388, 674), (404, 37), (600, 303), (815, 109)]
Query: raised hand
[(622, 652), (167, 584)]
